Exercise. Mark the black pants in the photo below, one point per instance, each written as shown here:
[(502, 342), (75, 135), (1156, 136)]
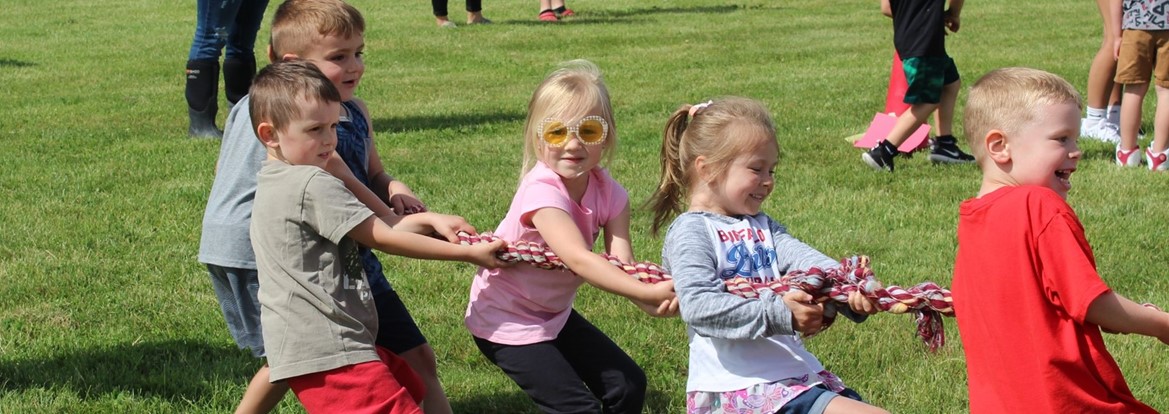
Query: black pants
[(581, 371), (439, 6)]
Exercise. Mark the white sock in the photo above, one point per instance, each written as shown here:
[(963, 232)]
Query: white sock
[(1114, 114), (1095, 115)]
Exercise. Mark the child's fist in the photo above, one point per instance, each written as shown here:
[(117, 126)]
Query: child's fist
[(666, 309), (403, 204), (861, 304), (807, 315), (483, 254)]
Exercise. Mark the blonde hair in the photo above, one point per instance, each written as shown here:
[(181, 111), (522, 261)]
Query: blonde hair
[(710, 133), (576, 87), (1008, 98), (298, 24), (276, 88)]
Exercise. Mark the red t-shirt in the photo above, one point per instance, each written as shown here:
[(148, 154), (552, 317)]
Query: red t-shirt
[(1023, 281)]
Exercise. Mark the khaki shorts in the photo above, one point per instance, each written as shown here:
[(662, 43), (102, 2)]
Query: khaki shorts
[(1143, 52)]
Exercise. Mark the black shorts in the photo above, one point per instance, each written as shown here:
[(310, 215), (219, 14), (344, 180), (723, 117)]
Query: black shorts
[(396, 330)]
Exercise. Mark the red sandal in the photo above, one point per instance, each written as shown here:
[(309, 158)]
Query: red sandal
[(548, 16)]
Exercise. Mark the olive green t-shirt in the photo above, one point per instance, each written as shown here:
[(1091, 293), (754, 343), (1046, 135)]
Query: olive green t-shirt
[(316, 308)]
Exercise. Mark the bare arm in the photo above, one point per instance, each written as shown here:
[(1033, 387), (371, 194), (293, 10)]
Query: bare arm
[(1116, 313), (378, 235), (617, 240), (618, 243), (564, 238), (427, 223), (396, 194), (337, 168), (953, 15), (886, 8)]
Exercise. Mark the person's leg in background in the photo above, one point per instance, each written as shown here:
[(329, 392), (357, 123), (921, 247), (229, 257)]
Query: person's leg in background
[(213, 21), (1104, 94), (239, 61)]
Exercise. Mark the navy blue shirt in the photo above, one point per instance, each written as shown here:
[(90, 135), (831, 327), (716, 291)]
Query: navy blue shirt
[(353, 146)]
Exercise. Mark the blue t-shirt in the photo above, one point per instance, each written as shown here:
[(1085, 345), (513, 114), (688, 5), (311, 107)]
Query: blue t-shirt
[(353, 146)]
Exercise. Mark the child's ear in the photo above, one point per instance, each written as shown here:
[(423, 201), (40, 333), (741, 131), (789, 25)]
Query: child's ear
[(997, 147), (700, 166), (271, 54), (267, 134), (702, 169)]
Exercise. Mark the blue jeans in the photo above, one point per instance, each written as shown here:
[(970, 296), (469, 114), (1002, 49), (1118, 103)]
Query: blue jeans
[(227, 23)]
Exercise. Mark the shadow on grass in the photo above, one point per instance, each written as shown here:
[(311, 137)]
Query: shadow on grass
[(515, 401), (726, 8), (428, 122), (624, 16), (13, 63), (177, 371)]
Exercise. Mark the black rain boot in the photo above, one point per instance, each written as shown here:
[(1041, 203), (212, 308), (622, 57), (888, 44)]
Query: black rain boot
[(202, 98), (237, 78)]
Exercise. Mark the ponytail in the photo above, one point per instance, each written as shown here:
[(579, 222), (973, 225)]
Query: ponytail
[(666, 201)]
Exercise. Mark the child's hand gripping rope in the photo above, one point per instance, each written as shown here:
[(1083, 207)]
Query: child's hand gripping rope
[(928, 300)]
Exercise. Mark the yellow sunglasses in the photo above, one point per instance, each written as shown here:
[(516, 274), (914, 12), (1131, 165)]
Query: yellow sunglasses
[(592, 130)]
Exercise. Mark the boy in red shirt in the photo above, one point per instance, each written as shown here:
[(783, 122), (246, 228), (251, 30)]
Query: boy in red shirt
[(1030, 304)]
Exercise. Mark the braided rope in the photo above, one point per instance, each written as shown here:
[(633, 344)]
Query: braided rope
[(927, 300), (542, 257)]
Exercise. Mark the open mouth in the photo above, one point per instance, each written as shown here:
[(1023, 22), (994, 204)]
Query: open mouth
[(1065, 175)]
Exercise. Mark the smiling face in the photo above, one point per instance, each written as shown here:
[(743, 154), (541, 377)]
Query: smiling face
[(1044, 152), (748, 179), (341, 59), (308, 139), (573, 158)]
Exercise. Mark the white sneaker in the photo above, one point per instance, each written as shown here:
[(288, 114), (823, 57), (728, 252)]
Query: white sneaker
[(1130, 158), (1156, 160), (1101, 131)]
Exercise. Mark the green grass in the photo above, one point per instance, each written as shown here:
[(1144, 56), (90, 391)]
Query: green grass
[(103, 307)]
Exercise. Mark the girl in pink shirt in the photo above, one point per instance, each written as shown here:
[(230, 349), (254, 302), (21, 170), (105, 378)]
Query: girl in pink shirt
[(522, 317)]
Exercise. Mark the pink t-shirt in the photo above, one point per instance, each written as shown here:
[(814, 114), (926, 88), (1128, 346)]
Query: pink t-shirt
[(524, 304)]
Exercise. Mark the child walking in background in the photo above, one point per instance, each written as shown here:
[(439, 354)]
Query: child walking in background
[(1143, 50), (718, 160), (522, 317), (318, 314), (1024, 266), (919, 35)]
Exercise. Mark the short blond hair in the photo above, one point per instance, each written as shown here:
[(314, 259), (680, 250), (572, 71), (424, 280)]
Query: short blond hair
[(1006, 99), (298, 24), (576, 87), (277, 87)]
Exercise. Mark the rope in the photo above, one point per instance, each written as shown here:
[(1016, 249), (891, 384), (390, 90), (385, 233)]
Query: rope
[(928, 301)]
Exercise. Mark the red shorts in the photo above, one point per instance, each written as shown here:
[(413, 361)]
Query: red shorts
[(386, 386)]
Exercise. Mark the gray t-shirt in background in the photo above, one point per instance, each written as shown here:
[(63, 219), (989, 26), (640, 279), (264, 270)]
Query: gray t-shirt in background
[(224, 241), (316, 307)]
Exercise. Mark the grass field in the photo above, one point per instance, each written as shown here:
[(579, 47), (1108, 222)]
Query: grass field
[(103, 307)]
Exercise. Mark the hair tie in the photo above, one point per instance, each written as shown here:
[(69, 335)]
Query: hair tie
[(698, 107)]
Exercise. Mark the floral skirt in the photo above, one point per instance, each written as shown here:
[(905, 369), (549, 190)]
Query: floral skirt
[(766, 398)]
